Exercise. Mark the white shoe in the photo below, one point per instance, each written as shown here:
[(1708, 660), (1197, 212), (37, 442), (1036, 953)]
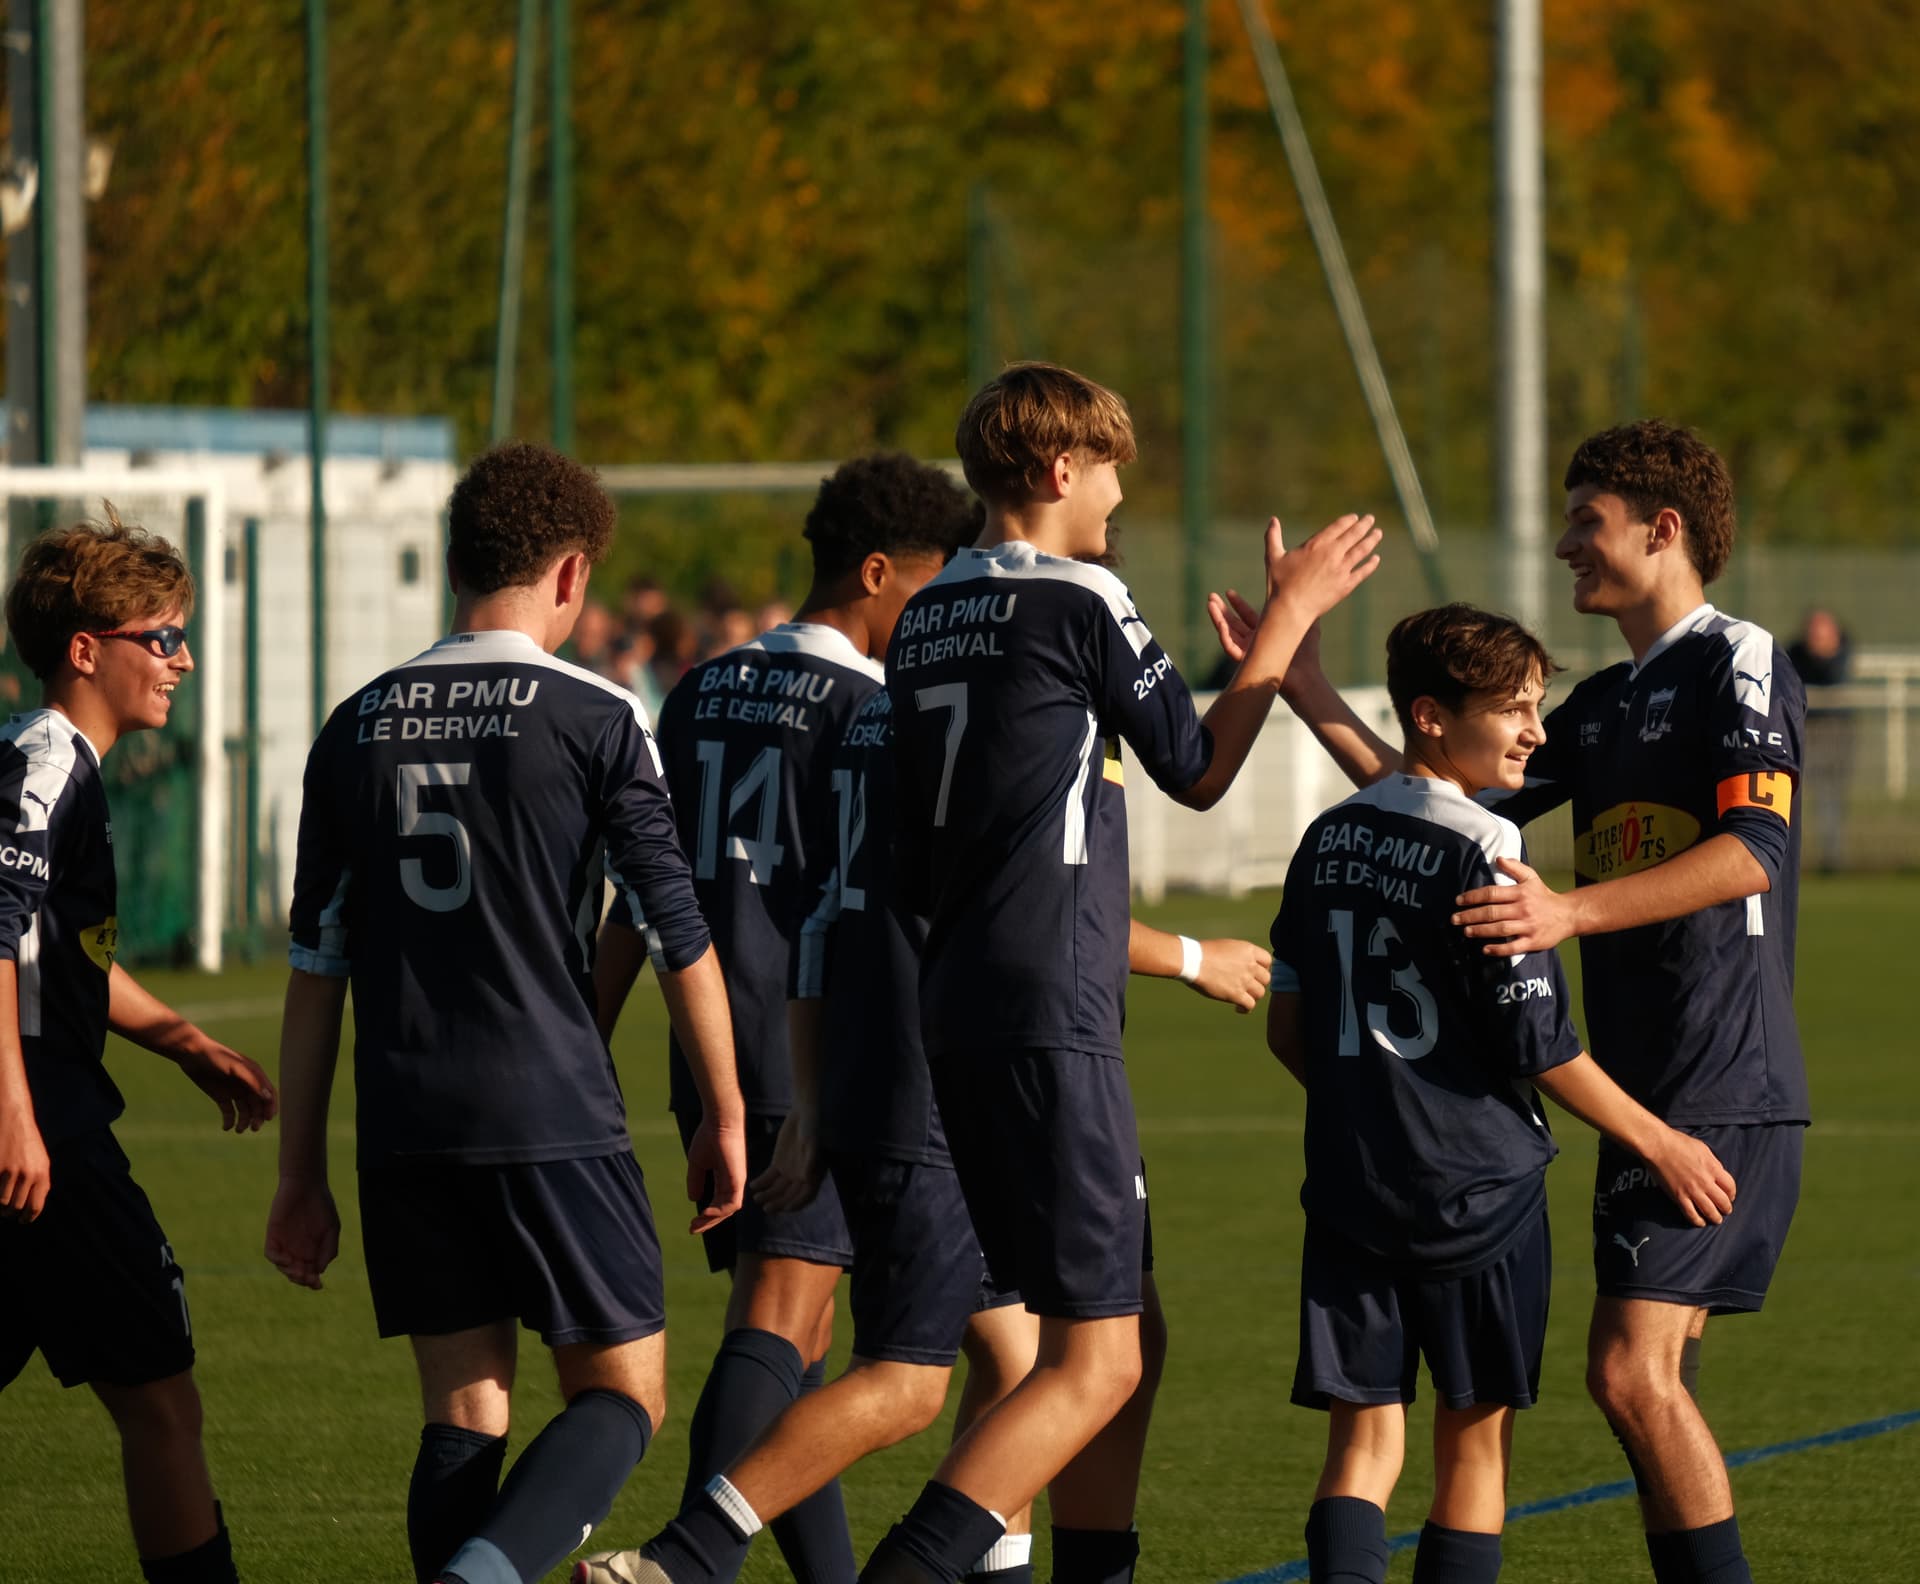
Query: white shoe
[(619, 1567)]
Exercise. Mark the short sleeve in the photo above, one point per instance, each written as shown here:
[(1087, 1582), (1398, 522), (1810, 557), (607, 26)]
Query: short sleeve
[(1144, 699), (1288, 937), (1755, 716), (322, 874), (1521, 1002), (653, 887)]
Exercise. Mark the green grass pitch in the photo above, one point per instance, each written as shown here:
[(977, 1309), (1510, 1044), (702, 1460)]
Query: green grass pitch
[(312, 1422)]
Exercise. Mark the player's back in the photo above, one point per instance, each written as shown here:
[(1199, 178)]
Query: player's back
[(1008, 673), (1425, 1143), (460, 814), (746, 737)]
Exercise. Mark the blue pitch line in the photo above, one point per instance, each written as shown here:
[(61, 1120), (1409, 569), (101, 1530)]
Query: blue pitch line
[(1287, 1572)]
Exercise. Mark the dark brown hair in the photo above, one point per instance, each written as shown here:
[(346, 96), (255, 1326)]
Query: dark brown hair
[(1030, 413), (91, 577), (520, 508), (890, 503), (1453, 650), (1651, 464)]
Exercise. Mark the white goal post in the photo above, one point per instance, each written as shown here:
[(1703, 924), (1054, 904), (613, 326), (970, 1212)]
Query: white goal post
[(90, 486)]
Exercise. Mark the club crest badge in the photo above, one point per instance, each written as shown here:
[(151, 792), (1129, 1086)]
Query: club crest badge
[(1658, 721)]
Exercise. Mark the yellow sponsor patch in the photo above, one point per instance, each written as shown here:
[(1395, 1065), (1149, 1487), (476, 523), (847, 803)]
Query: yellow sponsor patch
[(1114, 768), (1630, 837), (102, 943), (1766, 789)]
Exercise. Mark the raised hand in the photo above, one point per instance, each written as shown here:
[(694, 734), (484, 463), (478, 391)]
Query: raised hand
[(1327, 568)]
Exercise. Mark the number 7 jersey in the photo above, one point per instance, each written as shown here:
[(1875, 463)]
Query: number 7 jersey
[(460, 813), (748, 737)]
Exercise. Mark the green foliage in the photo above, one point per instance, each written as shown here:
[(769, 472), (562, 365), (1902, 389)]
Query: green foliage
[(772, 229)]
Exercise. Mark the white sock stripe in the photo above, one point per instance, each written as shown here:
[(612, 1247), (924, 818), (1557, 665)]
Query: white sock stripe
[(1009, 1551), (739, 1511)]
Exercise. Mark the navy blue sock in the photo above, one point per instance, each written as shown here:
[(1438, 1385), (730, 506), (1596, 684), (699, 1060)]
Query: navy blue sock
[(210, 1562), (1346, 1541), (700, 1545), (755, 1375), (1094, 1556), (456, 1474), (942, 1535), (562, 1485), (1455, 1556), (812, 1534), (1708, 1555)]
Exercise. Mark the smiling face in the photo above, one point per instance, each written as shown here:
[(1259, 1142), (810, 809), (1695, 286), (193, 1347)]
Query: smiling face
[(1487, 741), (1609, 553), (132, 680)]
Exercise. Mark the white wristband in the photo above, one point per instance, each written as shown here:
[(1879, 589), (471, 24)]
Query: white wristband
[(1189, 959)]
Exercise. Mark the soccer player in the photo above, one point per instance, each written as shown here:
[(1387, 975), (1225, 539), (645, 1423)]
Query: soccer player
[(748, 737), (1426, 1152), (864, 1110), (1007, 673), (99, 614), (1683, 767), (460, 811)]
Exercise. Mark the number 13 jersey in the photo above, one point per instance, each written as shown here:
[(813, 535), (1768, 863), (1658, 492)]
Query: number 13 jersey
[(748, 737), (1425, 1143), (459, 815)]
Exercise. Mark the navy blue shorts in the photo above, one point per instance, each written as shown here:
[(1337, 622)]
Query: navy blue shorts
[(918, 1272), (92, 1282), (565, 1247), (816, 1233), (1643, 1246), (1049, 1160), (1364, 1325)]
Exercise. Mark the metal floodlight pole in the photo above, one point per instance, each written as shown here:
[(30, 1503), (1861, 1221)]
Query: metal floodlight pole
[(1520, 290), (317, 353), (560, 155), (1196, 363), (1346, 295), (513, 225)]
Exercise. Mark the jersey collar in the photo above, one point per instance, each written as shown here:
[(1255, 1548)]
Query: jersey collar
[(1674, 634), (492, 640), (817, 638)]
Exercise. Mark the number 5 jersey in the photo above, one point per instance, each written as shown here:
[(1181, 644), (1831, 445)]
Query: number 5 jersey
[(461, 815)]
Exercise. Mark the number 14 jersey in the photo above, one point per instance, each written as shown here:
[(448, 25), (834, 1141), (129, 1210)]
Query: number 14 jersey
[(748, 737)]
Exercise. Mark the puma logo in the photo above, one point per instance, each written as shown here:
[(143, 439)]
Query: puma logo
[(1633, 1248)]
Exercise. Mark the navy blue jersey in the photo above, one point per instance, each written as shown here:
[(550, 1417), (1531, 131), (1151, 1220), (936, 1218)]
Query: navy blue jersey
[(58, 917), (747, 737), (859, 951), (1425, 1142), (1009, 671), (1693, 1017), (460, 812)]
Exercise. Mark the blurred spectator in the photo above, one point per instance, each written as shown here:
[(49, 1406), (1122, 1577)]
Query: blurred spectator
[(1823, 655), (771, 615), (593, 636), (641, 601), (676, 645)]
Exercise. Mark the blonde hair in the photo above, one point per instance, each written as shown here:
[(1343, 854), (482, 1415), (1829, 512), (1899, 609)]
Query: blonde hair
[(91, 577), (1019, 421)]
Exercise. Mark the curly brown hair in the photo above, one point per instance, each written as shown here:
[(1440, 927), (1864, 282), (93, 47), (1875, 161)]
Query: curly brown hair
[(92, 577), (1651, 464), (1027, 415), (1453, 650), (517, 510)]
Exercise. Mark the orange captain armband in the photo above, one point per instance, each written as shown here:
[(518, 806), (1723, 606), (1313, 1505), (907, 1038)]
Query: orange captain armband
[(1771, 790)]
